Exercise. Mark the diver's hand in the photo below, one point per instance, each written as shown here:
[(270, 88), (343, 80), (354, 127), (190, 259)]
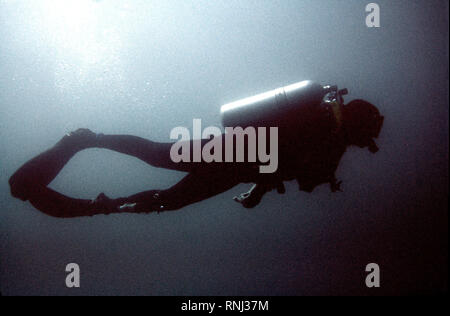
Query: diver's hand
[(251, 198), (241, 198)]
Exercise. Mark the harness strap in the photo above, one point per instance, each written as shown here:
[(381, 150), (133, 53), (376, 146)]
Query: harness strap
[(337, 112)]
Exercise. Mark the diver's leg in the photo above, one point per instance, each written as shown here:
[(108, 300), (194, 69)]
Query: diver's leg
[(58, 205), (41, 170), (195, 187), (154, 153), (199, 186)]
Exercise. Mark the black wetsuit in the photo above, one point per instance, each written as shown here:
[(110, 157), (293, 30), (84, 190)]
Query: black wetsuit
[(311, 157)]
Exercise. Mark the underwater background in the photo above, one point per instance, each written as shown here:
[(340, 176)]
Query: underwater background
[(144, 67)]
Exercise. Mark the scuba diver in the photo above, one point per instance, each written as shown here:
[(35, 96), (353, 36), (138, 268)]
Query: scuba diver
[(314, 126)]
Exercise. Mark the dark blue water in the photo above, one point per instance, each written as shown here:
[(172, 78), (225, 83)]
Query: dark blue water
[(144, 67)]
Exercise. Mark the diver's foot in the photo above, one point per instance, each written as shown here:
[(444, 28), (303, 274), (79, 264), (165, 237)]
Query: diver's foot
[(82, 138)]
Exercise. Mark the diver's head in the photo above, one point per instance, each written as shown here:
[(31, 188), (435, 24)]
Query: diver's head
[(362, 123)]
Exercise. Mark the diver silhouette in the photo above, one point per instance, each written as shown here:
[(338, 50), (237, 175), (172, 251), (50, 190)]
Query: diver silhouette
[(314, 135)]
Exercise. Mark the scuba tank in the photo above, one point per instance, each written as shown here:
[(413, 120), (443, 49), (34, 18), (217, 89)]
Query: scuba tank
[(304, 112), (285, 107)]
